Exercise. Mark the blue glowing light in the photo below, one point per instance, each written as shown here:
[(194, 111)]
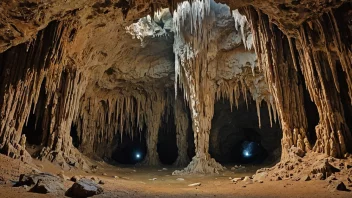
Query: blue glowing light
[(248, 149), (138, 156)]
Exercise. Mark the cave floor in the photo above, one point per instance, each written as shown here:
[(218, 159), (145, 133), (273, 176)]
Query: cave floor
[(135, 181)]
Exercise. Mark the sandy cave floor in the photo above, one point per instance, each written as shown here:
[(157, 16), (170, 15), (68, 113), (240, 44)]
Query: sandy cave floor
[(135, 182)]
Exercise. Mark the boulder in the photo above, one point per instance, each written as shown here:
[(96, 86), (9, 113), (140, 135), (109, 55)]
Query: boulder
[(42, 183), (84, 188), (32, 179), (45, 187)]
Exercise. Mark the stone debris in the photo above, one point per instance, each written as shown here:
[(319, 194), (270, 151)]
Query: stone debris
[(194, 184), (236, 179), (248, 180), (236, 167)]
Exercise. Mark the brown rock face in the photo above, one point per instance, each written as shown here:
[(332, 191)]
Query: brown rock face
[(74, 64)]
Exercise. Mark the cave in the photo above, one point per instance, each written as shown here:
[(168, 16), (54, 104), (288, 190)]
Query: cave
[(176, 98), (236, 137), (167, 146), (129, 150)]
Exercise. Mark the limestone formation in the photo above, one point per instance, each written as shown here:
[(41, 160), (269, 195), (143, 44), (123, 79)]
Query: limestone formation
[(77, 76)]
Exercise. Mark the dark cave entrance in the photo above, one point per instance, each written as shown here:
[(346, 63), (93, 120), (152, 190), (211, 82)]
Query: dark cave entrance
[(33, 128), (74, 134), (167, 147), (236, 138), (131, 150), (345, 98)]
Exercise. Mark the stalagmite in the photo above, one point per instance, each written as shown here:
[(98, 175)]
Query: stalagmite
[(153, 115), (206, 80), (191, 70)]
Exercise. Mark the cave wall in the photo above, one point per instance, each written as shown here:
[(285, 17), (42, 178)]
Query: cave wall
[(96, 75), (316, 51), (28, 68)]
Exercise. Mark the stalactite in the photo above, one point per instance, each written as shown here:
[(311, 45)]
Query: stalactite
[(275, 60), (320, 46), (193, 24), (101, 119), (315, 52), (191, 69), (23, 70)]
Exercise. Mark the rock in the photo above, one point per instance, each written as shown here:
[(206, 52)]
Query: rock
[(32, 179), (101, 182), (236, 179), (319, 176), (164, 169), (104, 174), (297, 151), (42, 183), (153, 179), (116, 177), (248, 180), (84, 188), (305, 178), (44, 187), (180, 179), (75, 178), (323, 166), (194, 184), (261, 181), (337, 185), (260, 176)]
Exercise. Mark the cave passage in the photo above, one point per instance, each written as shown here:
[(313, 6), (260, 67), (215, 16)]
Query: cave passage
[(33, 130), (131, 150), (236, 138), (167, 147)]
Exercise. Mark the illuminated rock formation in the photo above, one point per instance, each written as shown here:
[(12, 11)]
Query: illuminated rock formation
[(115, 67)]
